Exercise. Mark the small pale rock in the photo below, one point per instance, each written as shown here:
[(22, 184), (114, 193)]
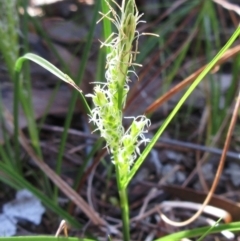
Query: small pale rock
[(8, 226), (25, 206)]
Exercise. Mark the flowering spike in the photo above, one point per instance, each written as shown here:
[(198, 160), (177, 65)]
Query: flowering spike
[(109, 99)]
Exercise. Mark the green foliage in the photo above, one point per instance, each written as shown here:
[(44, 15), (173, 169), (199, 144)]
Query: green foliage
[(108, 102), (180, 103), (9, 28), (43, 238), (232, 227)]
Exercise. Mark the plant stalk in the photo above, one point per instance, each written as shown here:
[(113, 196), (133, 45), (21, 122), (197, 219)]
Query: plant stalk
[(124, 207), (125, 213)]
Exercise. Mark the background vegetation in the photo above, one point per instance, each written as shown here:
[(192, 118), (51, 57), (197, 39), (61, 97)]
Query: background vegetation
[(51, 150)]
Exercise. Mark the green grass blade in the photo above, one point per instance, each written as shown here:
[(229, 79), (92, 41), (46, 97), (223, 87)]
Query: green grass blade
[(16, 178), (107, 25), (102, 52), (44, 238), (46, 65), (179, 104), (209, 230), (232, 227), (74, 95), (25, 94), (16, 115)]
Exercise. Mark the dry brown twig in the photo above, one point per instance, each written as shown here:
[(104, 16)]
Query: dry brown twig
[(187, 81), (217, 175), (62, 185)]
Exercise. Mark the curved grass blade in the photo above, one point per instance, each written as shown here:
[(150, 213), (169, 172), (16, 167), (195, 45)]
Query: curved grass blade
[(46, 65), (43, 238), (179, 104), (233, 227)]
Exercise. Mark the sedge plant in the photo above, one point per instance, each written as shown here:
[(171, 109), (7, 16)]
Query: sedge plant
[(109, 99)]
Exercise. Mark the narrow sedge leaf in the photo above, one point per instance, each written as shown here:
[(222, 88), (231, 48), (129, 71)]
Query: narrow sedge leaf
[(107, 27), (231, 227), (180, 103), (42, 238), (46, 65)]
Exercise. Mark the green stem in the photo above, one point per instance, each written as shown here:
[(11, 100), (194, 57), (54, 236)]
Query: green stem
[(15, 117), (124, 206), (125, 213)]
